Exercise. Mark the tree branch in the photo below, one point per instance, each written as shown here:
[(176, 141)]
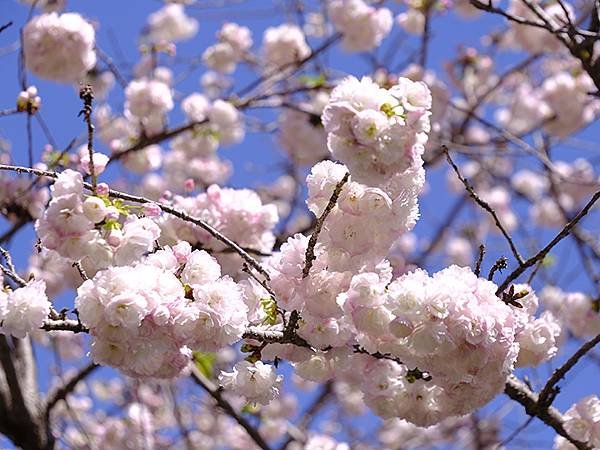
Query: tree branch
[(216, 393), (518, 391)]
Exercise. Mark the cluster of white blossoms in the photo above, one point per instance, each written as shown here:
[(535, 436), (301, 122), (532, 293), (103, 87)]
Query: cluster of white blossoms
[(23, 310), (378, 133), (577, 311), (145, 318), (582, 422), (301, 133), (148, 100), (93, 230), (349, 300), (257, 383), (68, 37), (193, 154), (237, 213), (171, 24), (428, 323), (539, 338), (363, 27), (234, 42), (283, 45)]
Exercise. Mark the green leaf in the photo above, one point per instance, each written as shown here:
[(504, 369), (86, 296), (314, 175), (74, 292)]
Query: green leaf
[(269, 306), (313, 81), (250, 408), (548, 261), (205, 362), (111, 225)]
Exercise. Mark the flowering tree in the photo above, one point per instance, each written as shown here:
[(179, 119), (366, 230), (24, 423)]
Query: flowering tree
[(180, 312)]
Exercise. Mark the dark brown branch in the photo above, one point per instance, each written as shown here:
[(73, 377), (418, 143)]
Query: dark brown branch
[(5, 26), (485, 206), (518, 391), (310, 249), (549, 390), (61, 392), (216, 394), (479, 260), (64, 325), (86, 94), (543, 252)]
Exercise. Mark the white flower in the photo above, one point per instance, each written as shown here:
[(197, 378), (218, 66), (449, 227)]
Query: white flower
[(59, 47), (24, 310), (170, 23), (257, 382), (284, 45), (94, 209)]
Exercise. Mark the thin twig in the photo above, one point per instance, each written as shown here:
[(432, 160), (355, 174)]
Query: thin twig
[(543, 252), (479, 259), (310, 249), (86, 93), (165, 208), (485, 206), (548, 392), (5, 26), (518, 391), (61, 392), (216, 394), (12, 271)]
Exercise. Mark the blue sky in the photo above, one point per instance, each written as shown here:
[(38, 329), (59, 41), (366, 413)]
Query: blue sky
[(256, 159)]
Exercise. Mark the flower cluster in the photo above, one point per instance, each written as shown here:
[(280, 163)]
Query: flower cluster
[(171, 24), (577, 311), (582, 422), (377, 132), (29, 100), (70, 40), (237, 213), (363, 27), (91, 230), (426, 322), (23, 310), (284, 45), (234, 42), (145, 318), (256, 382), (148, 100), (539, 338)]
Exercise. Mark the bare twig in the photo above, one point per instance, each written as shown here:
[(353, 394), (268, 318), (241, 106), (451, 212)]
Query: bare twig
[(485, 206), (165, 208), (5, 26), (479, 259), (544, 251), (549, 390), (60, 393), (86, 94), (310, 249), (216, 394), (10, 270), (518, 391)]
